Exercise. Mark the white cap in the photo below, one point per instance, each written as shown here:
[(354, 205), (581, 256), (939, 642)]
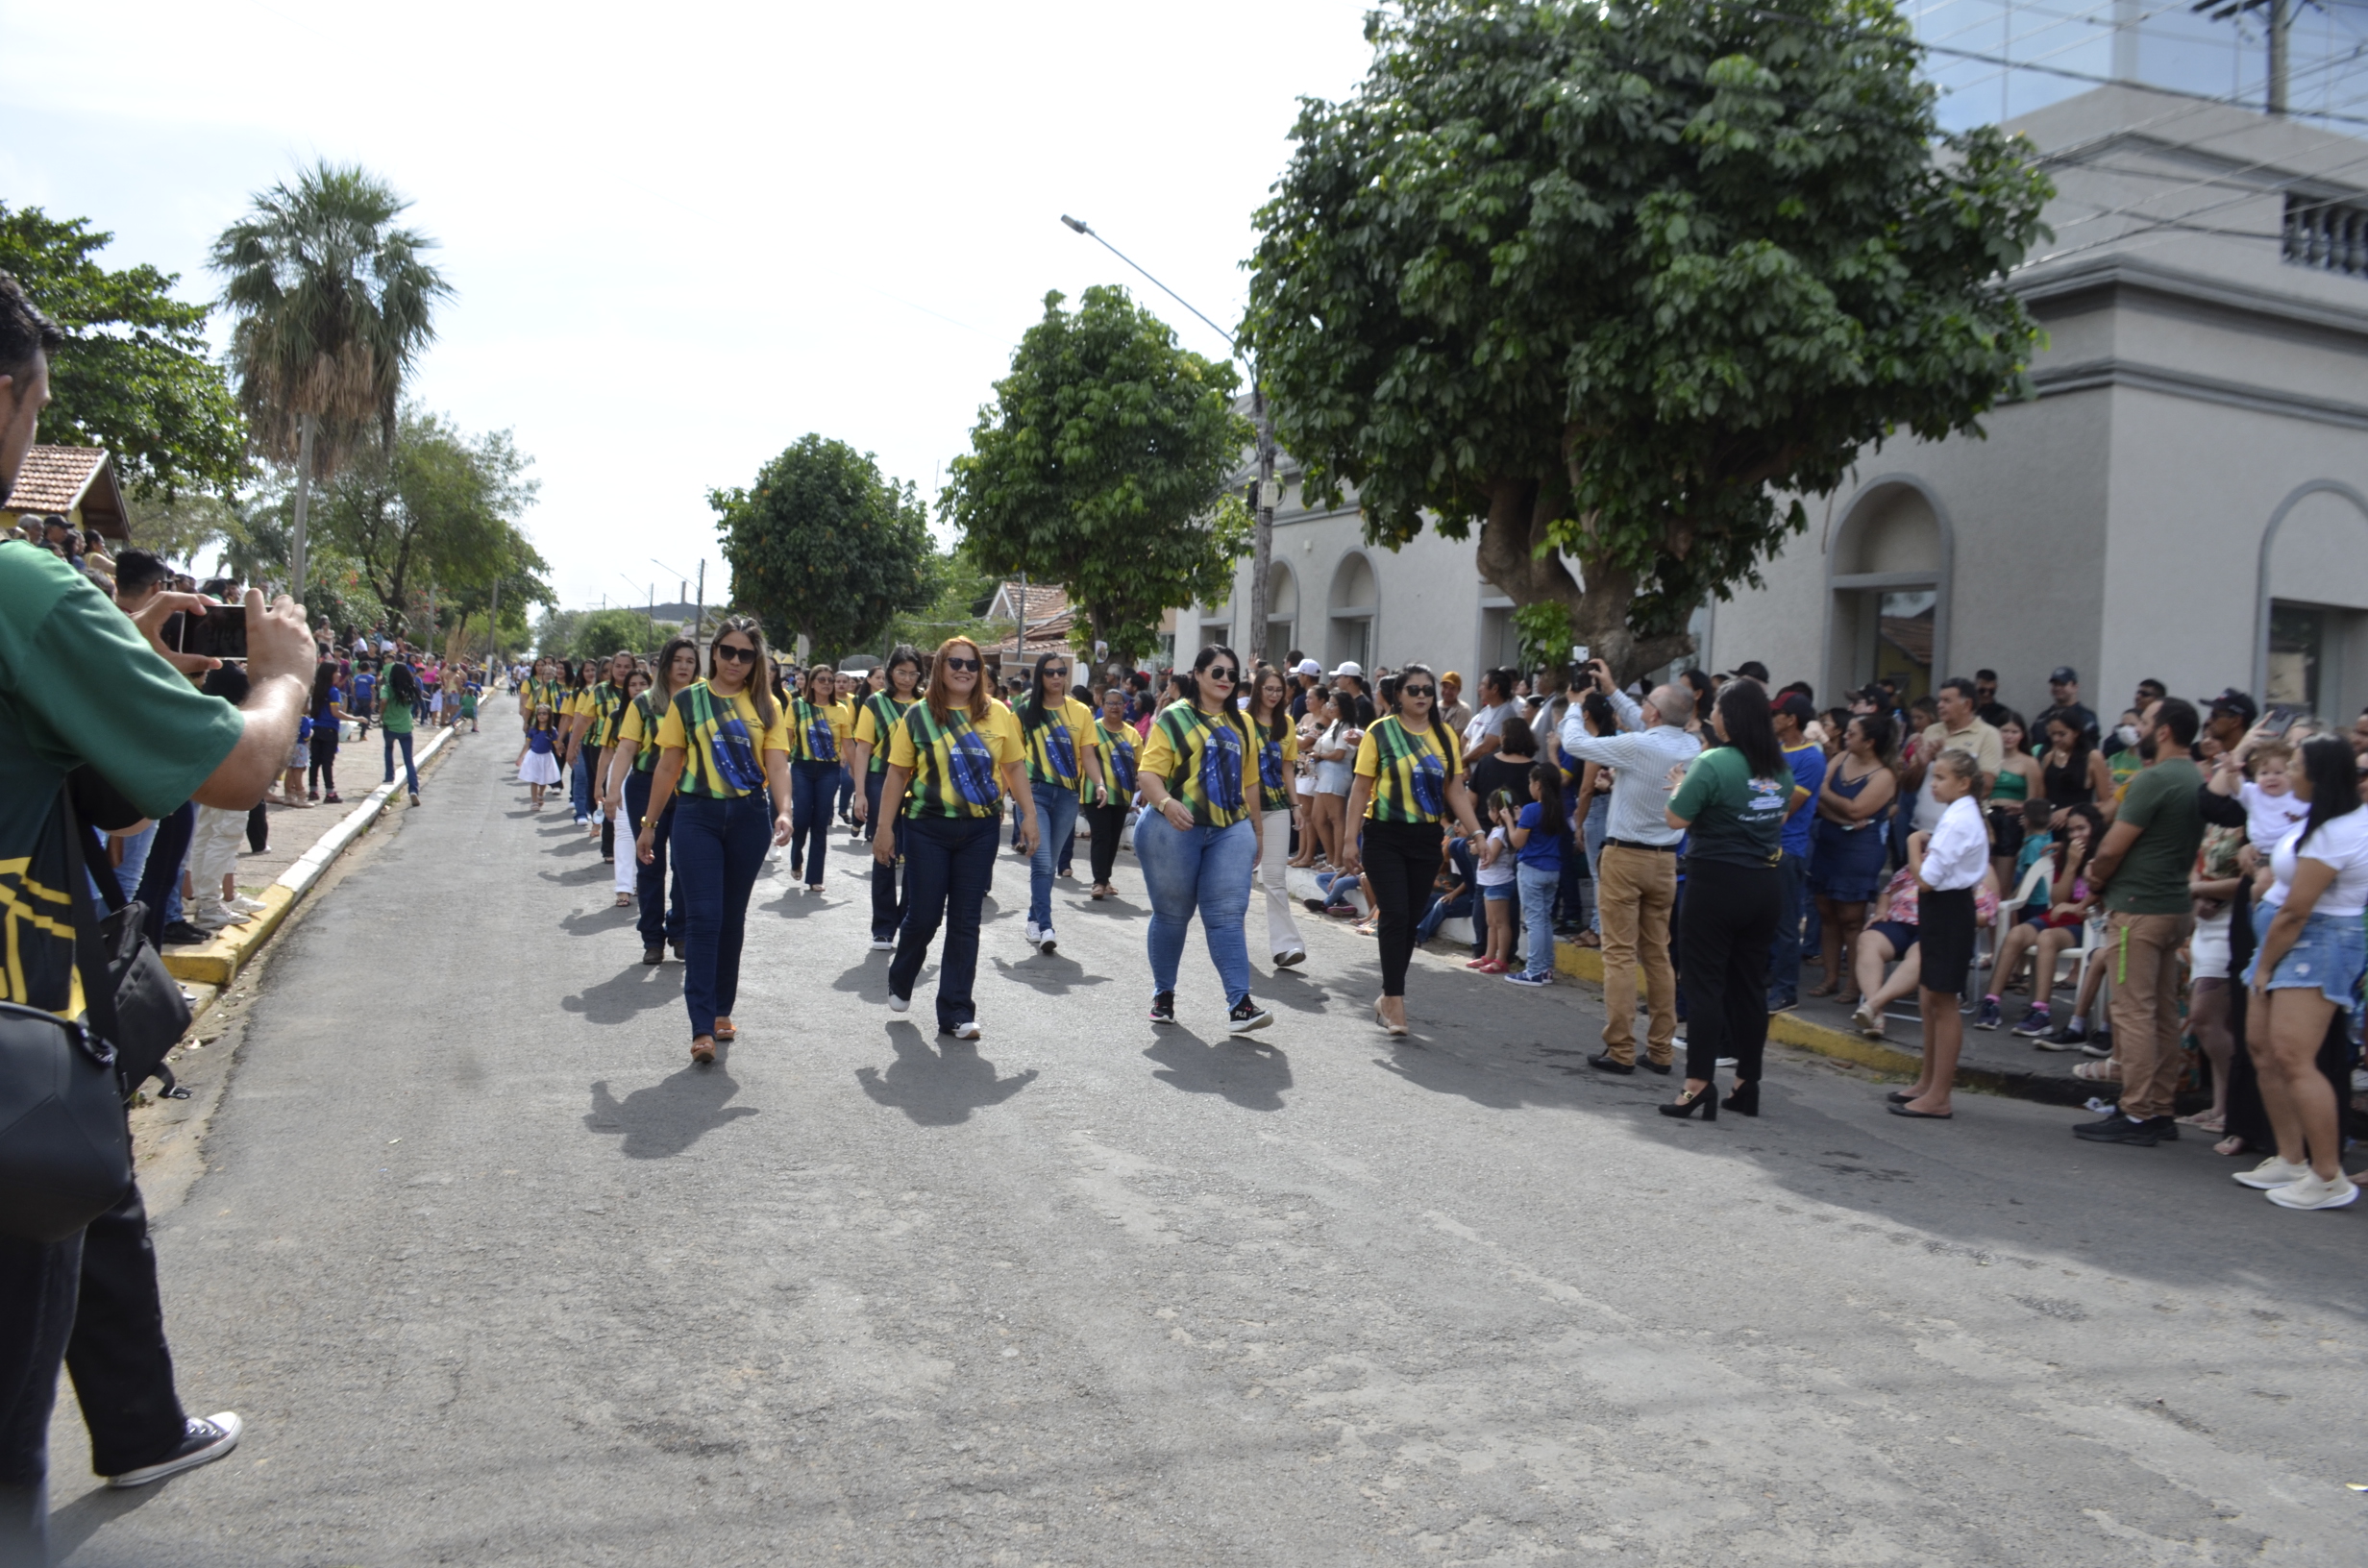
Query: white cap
[(1352, 670), (1307, 666)]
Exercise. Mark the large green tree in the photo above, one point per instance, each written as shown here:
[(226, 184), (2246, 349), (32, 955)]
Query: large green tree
[(823, 546), (1610, 279), (1101, 466), (135, 377)]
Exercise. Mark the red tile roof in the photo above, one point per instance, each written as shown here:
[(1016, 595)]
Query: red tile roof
[(60, 479)]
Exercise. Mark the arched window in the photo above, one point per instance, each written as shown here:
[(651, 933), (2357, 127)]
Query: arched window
[(1888, 573), (1282, 611), (1355, 607)]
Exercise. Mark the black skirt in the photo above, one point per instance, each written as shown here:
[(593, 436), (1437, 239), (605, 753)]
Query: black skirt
[(1945, 931)]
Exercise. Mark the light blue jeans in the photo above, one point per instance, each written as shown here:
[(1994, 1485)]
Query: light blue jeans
[(1056, 819), (1538, 885), (1206, 869), (1593, 831)]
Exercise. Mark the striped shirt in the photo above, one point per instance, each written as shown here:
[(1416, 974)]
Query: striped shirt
[(1209, 762), (699, 721), (1409, 771)]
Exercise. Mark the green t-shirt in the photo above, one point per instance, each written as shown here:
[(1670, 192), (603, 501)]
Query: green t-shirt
[(1738, 819), (2153, 876), (78, 683), (394, 718)]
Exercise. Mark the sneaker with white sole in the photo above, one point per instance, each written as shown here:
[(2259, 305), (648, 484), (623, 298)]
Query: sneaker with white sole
[(1046, 941), (2312, 1193), (246, 905), (899, 1004), (1247, 1017), (967, 1029), (2272, 1172), (204, 1439), (883, 945), (1034, 935)]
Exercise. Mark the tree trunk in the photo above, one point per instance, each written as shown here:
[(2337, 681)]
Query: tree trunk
[(1519, 512)]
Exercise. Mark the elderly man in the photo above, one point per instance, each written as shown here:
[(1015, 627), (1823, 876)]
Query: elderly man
[(1453, 711), (1636, 885), (1959, 729)]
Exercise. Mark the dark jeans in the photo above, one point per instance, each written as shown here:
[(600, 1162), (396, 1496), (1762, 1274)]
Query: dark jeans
[(1729, 917), (609, 823), (887, 902), (659, 922), (162, 877), (1784, 963), (811, 785), (258, 828), (388, 740), (949, 866), (324, 743), (1108, 824), (121, 1366), (719, 847), (1401, 861), (847, 787), (1439, 911), (38, 1282)]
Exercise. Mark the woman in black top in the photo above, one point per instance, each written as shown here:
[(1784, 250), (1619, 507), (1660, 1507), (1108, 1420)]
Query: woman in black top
[(2073, 772), (1507, 767)]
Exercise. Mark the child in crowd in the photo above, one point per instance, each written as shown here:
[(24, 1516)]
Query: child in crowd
[(1496, 889), (2271, 810), (536, 764), (469, 695)]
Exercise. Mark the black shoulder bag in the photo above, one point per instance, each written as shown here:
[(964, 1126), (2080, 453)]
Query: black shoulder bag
[(65, 1151), (150, 1014)]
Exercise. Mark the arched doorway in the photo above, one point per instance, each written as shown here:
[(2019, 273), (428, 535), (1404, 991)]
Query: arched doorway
[(1888, 572), (1282, 611), (2310, 624), (1355, 609)]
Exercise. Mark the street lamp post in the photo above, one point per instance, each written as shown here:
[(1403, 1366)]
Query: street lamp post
[(699, 625), (1262, 535)]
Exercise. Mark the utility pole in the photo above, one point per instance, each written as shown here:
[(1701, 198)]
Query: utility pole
[(1261, 568), (2280, 69), (698, 628), (304, 496), (493, 636)]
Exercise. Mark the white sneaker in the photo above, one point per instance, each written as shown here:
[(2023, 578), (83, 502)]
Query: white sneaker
[(2312, 1193), (883, 945), (2272, 1172), (1046, 941), (1035, 935), (248, 906), (967, 1030), (896, 1003)]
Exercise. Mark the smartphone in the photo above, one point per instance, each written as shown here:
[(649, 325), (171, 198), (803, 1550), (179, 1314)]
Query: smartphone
[(2280, 718), (220, 633)]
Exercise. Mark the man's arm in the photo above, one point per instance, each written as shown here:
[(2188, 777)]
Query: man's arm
[(1625, 708), (2117, 841), (280, 662)]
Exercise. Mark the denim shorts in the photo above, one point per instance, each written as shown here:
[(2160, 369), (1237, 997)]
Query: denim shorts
[(2330, 954), (1503, 892)]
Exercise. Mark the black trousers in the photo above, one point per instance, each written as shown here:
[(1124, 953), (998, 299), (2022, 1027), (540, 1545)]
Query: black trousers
[(122, 1368), (609, 823), (1401, 862), (258, 828), (37, 1285), (167, 852), (1108, 825), (1730, 921), (887, 882)]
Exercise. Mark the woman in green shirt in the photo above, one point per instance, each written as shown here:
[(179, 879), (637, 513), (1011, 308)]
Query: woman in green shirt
[(1732, 807)]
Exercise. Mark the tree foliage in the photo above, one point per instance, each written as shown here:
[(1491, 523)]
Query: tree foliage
[(134, 376), (437, 511), (823, 545), (603, 632), (960, 590), (1101, 466), (1608, 279)]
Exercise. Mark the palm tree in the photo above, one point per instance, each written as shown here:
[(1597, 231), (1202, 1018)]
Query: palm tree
[(332, 306)]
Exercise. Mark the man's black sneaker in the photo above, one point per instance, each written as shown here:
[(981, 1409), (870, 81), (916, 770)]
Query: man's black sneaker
[(182, 934), (653, 955), (2120, 1129), (1163, 1007), (205, 1439), (1603, 1061), (2075, 1033), (1247, 1017)]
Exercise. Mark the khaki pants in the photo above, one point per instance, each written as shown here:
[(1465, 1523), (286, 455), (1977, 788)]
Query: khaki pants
[(2143, 950), (1635, 891)]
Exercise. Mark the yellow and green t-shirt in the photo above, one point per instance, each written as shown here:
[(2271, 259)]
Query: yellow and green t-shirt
[(1056, 739), (1277, 762), (540, 694), (874, 722), (1118, 759), (819, 731), (639, 728), (700, 721), (1410, 772), (1210, 762), (605, 705), (957, 766)]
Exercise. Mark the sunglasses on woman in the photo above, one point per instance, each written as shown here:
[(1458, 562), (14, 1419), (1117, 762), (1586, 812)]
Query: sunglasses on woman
[(1418, 691), (738, 655), (1217, 672), (954, 663)]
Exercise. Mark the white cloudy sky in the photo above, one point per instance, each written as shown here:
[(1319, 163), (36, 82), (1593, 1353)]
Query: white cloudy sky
[(685, 236)]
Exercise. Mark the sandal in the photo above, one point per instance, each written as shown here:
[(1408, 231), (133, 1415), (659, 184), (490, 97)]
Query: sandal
[(2097, 1072), (703, 1051), (725, 1032), (1587, 939), (625, 900)]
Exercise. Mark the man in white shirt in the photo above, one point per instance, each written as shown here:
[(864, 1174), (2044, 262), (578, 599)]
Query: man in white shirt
[(1484, 735)]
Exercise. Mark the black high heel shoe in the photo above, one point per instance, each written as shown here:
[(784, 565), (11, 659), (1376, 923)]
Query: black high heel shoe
[(1745, 1100), (1706, 1097)]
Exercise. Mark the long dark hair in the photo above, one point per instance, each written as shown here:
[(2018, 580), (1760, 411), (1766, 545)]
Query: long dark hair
[(1279, 723), (2095, 819), (1191, 684), (324, 690), (1743, 705), (1550, 816), (2335, 783), (2076, 759), (905, 653), (1881, 736), (760, 689), (1032, 712), (662, 676), (402, 685), (1600, 713)]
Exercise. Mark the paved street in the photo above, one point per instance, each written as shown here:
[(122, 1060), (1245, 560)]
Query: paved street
[(496, 1277)]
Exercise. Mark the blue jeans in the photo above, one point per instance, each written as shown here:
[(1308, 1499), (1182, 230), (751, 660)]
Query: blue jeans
[(1783, 959), (949, 866), (1597, 829), (811, 786), (719, 847), (135, 860), (1441, 911), (159, 879), (1206, 869), (659, 923), (887, 905), (388, 738), (847, 787), (1538, 885), (1056, 819), (580, 775)]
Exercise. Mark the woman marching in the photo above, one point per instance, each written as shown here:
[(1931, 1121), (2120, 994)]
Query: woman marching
[(606, 707), (575, 711), (1106, 813), (1278, 762), (819, 727), (724, 751), (1199, 839), (875, 721), (631, 771), (1409, 780), (951, 759), (1063, 762)]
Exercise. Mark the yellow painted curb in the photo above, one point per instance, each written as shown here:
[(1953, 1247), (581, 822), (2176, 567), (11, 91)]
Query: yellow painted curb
[(217, 962)]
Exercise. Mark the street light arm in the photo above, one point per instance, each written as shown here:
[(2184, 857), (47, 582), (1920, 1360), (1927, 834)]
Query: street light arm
[(1087, 230)]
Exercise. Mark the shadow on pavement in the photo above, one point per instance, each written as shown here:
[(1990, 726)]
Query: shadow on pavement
[(606, 918), (1052, 975), (78, 1521), (937, 1087), (633, 993), (669, 1115), (1246, 1073)]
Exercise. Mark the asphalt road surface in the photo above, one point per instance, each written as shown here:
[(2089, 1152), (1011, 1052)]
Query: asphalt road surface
[(497, 1277)]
